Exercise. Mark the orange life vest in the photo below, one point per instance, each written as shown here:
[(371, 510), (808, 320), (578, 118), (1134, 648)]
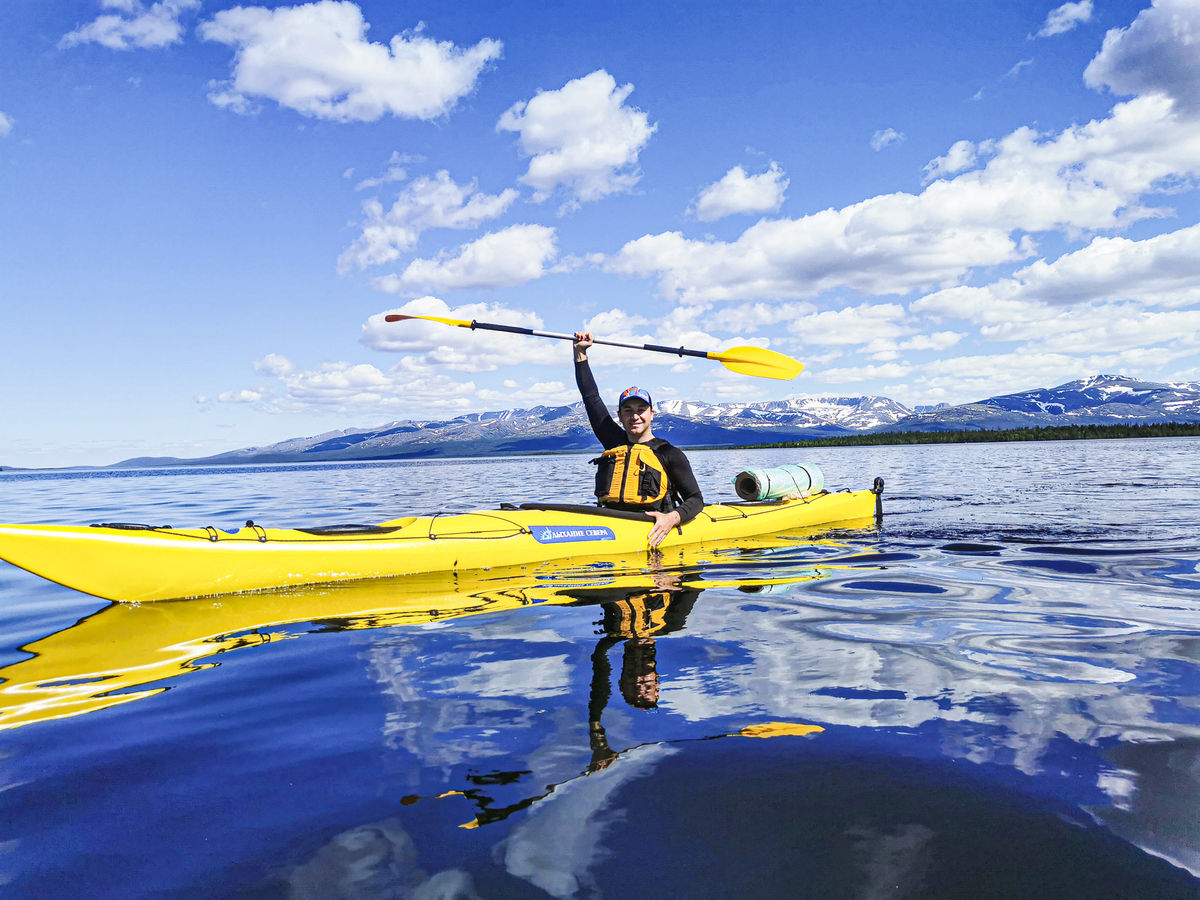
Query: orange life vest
[(632, 475)]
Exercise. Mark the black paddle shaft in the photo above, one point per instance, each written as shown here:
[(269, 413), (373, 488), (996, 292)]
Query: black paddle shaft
[(657, 348)]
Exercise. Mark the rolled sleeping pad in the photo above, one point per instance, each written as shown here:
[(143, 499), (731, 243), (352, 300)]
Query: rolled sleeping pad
[(770, 484)]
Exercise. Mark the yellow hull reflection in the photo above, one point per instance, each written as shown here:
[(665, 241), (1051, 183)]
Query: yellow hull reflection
[(123, 652)]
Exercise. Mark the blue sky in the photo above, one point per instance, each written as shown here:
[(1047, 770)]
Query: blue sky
[(207, 209)]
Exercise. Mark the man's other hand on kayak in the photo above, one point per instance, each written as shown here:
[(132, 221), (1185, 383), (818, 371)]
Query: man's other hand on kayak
[(663, 523)]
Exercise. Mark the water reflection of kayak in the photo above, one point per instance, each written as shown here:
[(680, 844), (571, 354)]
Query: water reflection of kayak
[(143, 562), (124, 652)]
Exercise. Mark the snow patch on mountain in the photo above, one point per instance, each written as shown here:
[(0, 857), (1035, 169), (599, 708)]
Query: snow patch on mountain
[(851, 413)]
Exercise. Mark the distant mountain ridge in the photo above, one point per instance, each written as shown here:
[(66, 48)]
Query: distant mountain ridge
[(1099, 400)]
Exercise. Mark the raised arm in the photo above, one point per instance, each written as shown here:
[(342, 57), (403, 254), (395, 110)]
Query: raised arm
[(607, 431)]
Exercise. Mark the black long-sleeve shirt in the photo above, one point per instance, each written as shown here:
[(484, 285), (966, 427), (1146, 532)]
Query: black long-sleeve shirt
[(684, 490)]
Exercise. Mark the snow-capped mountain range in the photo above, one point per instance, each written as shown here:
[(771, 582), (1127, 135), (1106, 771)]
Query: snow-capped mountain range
[(1101, 399)]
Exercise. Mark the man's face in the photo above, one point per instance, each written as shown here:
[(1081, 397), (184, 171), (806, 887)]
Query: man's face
[(636, 416)]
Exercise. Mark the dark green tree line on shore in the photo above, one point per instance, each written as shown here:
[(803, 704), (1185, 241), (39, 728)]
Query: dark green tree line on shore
[(1052, 433)]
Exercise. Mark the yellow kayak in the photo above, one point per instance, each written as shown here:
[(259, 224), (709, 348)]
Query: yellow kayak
[(138, 563)]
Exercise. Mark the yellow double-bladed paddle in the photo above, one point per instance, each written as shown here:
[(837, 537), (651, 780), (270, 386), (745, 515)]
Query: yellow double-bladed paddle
[(744, 360)]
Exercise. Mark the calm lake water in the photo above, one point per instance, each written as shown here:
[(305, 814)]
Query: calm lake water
[(996, 693)]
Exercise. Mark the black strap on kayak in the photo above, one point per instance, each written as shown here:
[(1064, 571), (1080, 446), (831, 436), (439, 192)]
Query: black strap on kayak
[(583, 509), (334, 530), (128, 526)]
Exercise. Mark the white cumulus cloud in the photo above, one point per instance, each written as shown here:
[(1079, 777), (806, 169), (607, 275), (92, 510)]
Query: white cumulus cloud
[(885, 138), (581, 137), (1017, 67), (133, 25), (853, 325), (316, 59), (937, 340), (961, 155), (504, 258), (436, 345), (403, 390), (273, 364), (852, 374), (1064, 18), (245, 395), (738, 193), (1160, 271), (6, 125), (394, 172), (885, 349), (752, 316), (1158, 53), (1087, 178), (1107, 329), (437, 202)]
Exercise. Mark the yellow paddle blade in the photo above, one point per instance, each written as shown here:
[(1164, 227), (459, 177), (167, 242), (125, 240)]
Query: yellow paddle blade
[(397, 317), (777, 729), (759, 362)]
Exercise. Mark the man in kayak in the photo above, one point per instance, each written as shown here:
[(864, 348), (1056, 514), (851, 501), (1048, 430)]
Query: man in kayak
[(637, 471)]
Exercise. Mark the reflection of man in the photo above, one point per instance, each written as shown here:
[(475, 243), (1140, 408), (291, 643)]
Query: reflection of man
[(634, 618)]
